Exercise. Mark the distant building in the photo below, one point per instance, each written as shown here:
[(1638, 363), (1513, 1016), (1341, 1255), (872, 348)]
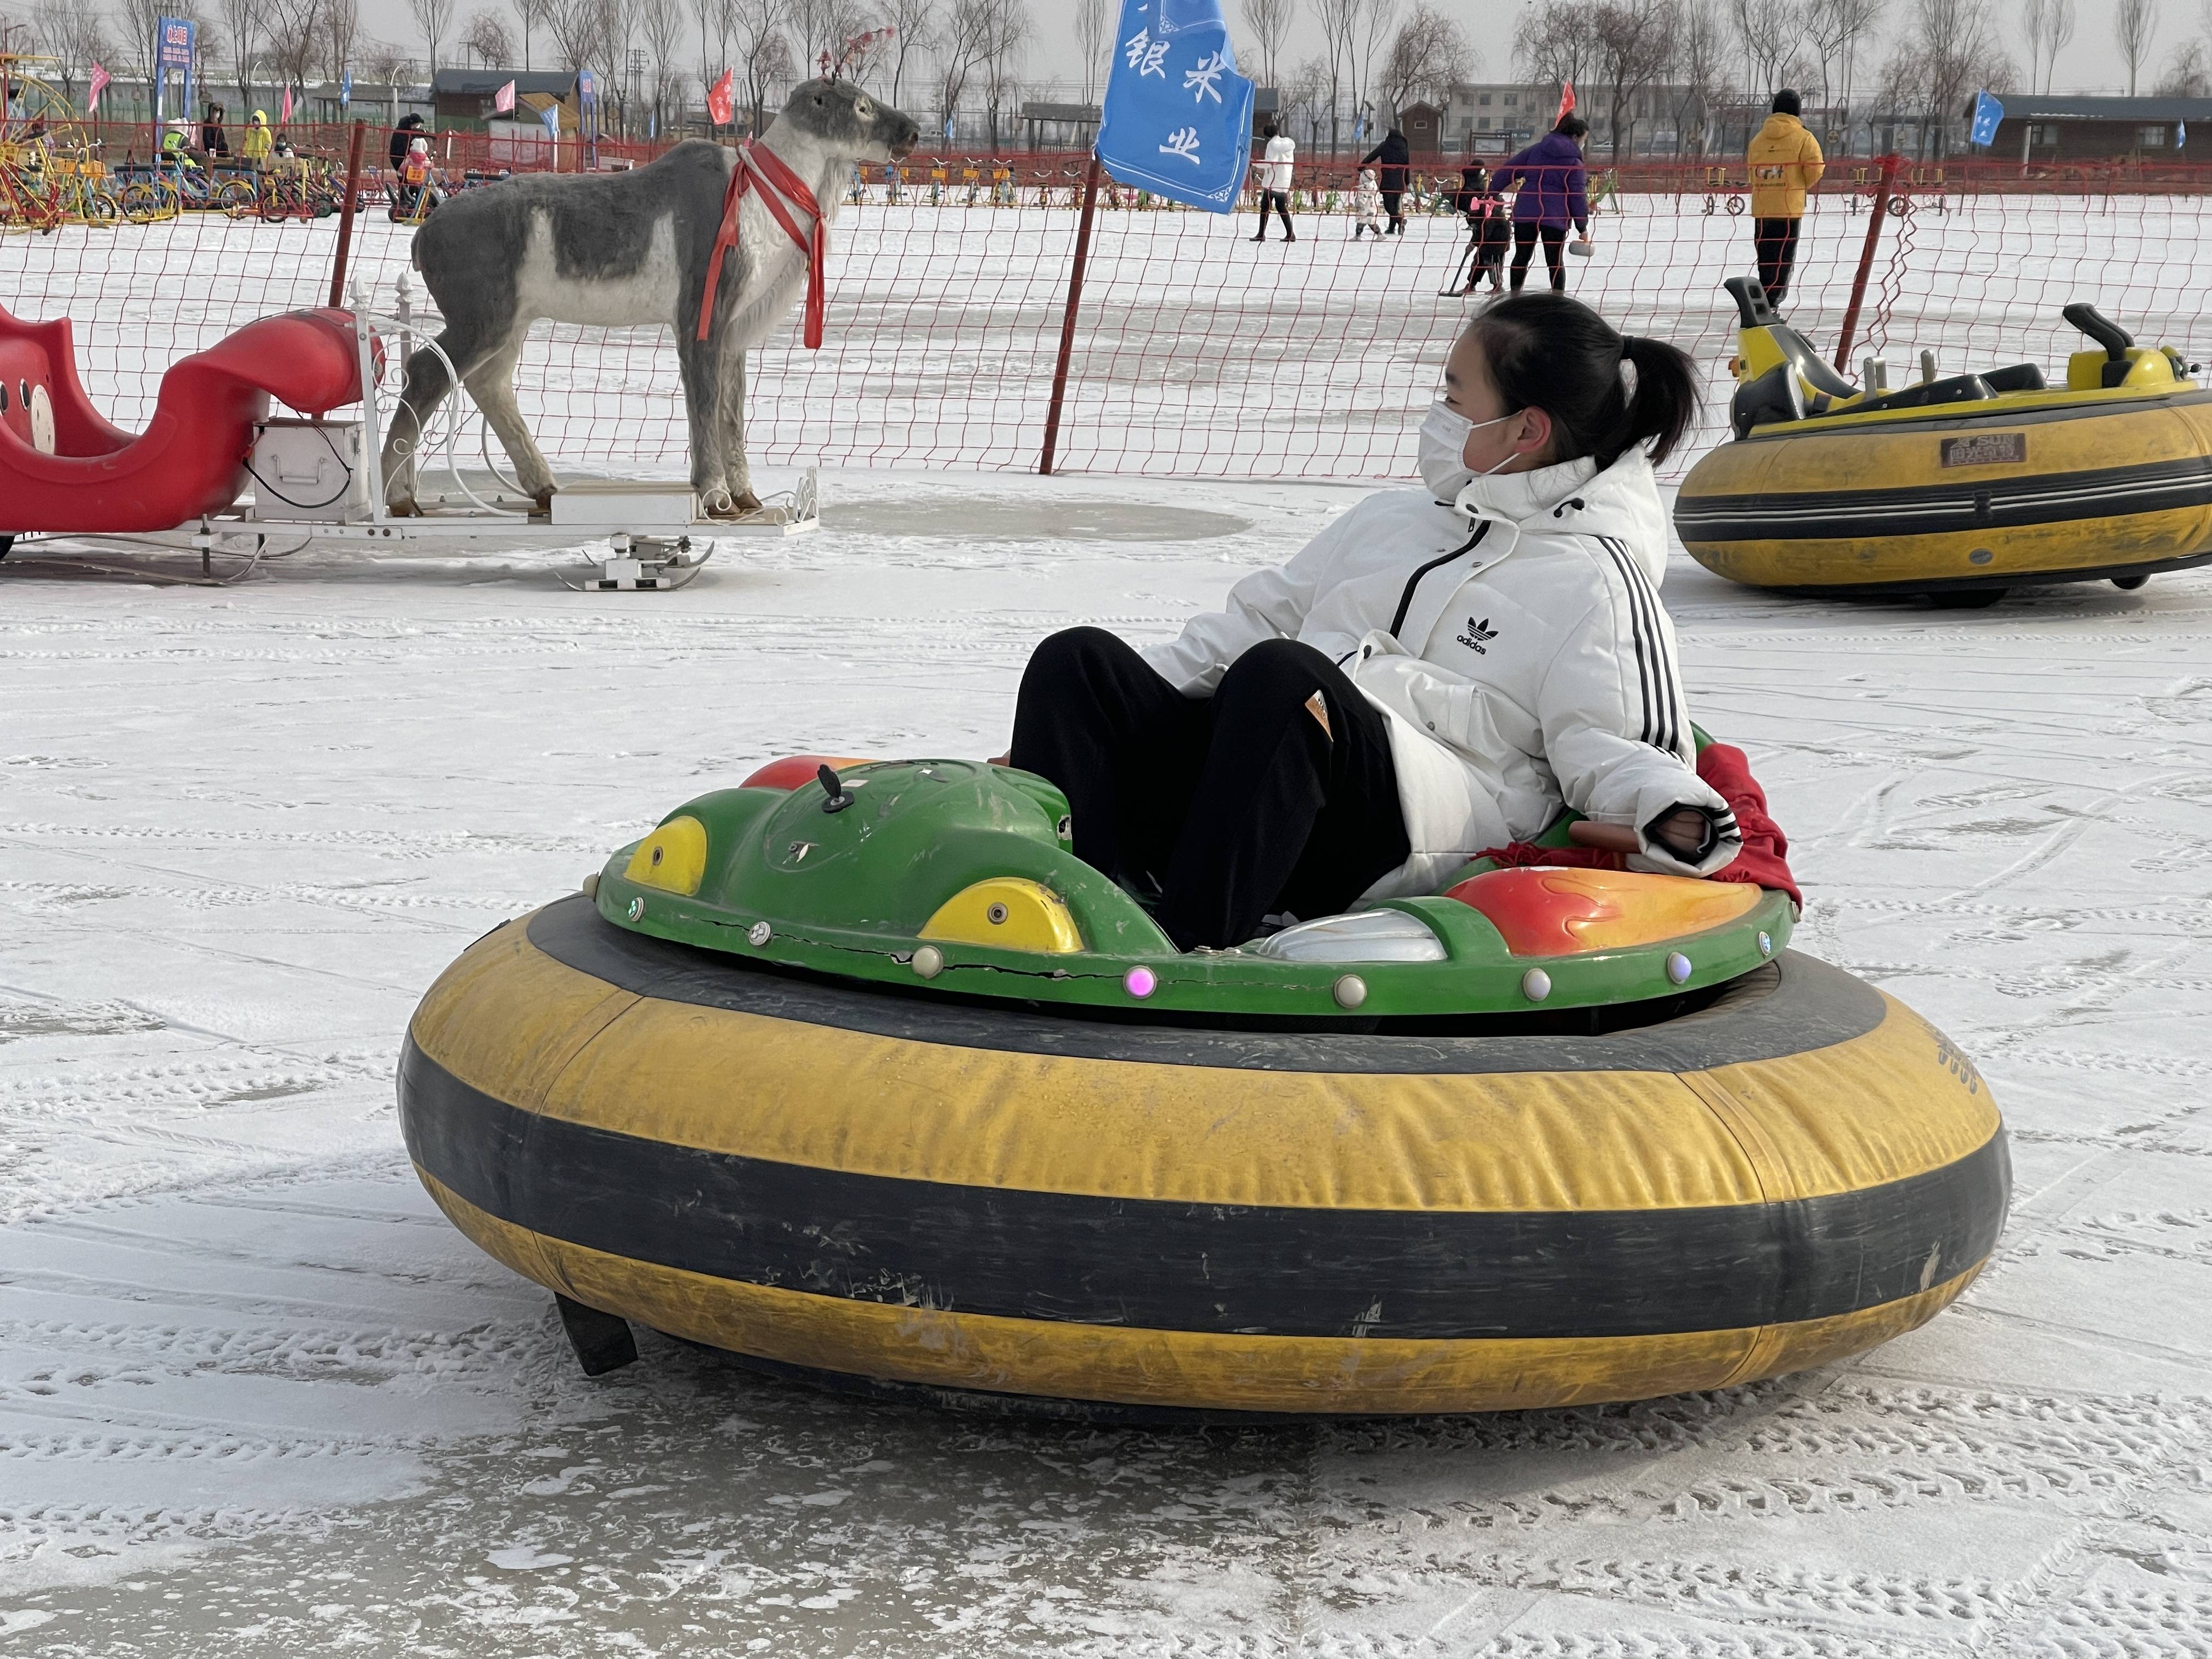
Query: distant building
[(2044, 129), (463, 98), (1423, 126), (1494, 117)]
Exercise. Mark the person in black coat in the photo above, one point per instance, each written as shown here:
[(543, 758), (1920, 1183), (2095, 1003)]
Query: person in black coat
[(212, 141), (1395, 154), (402, 136), (1489, 233)]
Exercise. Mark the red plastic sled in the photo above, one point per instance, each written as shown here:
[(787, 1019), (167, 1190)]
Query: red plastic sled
[(62, 467)]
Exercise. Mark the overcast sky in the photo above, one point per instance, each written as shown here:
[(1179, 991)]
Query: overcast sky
[(2090, 63)]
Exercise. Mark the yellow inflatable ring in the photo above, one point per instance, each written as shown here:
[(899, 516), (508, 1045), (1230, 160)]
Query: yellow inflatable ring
[(984, 1198)]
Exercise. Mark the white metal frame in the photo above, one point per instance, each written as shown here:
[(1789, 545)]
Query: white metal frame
[(658, 548)]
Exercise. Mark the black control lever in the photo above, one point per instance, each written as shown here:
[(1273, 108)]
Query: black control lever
[(839, 797)]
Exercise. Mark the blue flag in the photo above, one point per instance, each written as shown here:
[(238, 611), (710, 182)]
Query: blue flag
[(2180, 134), (1178, 117), (551, 116), (345, 89), (1987, 113)]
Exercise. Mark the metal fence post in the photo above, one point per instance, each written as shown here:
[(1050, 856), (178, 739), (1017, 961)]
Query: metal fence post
[(345, 218), (1889, 166), (1067, 322)]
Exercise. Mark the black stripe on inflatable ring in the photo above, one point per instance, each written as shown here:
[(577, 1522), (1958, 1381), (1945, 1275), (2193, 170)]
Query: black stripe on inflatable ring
[(1205, 1267)]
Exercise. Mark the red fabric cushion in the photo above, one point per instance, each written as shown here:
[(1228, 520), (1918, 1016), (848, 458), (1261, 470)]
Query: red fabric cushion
[(1763, 862)]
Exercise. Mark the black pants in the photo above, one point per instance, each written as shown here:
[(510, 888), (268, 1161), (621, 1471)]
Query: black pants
[(1486, 251), (1280, 201), (1525, 233), (1237, 805), (1776, 240), (1393, 204)]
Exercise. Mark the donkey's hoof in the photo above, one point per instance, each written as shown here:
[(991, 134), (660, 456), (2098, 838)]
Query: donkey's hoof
[(543, 498), (723, 505)]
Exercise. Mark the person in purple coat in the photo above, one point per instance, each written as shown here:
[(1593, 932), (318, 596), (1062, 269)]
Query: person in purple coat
[(1553, 192)]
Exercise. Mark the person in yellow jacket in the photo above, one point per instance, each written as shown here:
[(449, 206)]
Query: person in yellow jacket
[(256, 144), (1785, 163)]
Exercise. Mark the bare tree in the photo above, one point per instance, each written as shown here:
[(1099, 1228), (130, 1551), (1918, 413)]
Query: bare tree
[(2135, 23), (1006, 31), (2035, 26), (1339, 22), (1308, 90), (1835, 30), (584, 32), (1370, 40), (1951, 47), (1769, 32), (1429, 55), (914, 30), (1268, 21), (1699, 71), (660, 28), (241, 31), (760, 50), (487, 37), (1553, 44), (434, 18), (2188, 72), (2062, 32), (73, 35), (815, 30), (1634, 40), (385, 64), (531, 15), (960, 47), (295, 37), (1093, 19), (340, 35)]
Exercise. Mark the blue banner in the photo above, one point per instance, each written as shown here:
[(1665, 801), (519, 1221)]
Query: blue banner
[(345, 90), (1987, 113), (1178, 117), (176, 43)]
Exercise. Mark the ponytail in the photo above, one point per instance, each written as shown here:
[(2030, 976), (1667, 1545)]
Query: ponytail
[(1665, 400), (1546, 351)]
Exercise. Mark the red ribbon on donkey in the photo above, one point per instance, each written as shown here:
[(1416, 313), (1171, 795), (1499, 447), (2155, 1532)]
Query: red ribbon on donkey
[(761, 171)]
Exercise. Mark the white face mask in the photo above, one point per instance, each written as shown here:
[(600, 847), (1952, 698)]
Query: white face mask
[(1443, 444)]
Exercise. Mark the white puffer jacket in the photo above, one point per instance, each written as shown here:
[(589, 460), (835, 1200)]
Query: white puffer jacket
[(1281, 154), (1516, 642)]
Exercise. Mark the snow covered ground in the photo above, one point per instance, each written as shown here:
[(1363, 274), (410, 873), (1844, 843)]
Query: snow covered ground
[(258, 1398)]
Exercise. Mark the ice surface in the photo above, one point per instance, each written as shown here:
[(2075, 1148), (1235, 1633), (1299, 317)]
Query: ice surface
[(258, 1398)]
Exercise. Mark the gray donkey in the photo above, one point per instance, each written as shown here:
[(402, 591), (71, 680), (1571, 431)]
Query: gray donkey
[(625, 248)]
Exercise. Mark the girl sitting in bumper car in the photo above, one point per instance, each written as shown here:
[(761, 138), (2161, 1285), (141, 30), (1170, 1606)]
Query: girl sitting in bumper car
[(1434, 675)]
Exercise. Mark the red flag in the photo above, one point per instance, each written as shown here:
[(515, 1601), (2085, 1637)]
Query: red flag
[(284, 109), (100, 77), (1567, 103), (722, 99), (502, 101)]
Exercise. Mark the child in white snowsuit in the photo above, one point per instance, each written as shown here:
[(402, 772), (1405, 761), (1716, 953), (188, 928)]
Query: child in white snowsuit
[(1367, 205), (1437, 673)]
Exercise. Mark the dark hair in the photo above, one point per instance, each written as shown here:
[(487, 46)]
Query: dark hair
[(1269, 130), (1787, 102), (1546, 351), (1571, 126)]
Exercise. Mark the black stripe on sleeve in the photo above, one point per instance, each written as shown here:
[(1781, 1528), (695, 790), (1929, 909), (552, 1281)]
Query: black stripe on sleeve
[(1669, 688), (1652, 687)]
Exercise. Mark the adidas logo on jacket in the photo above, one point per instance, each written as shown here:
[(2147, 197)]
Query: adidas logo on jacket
[(1516, 642)]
